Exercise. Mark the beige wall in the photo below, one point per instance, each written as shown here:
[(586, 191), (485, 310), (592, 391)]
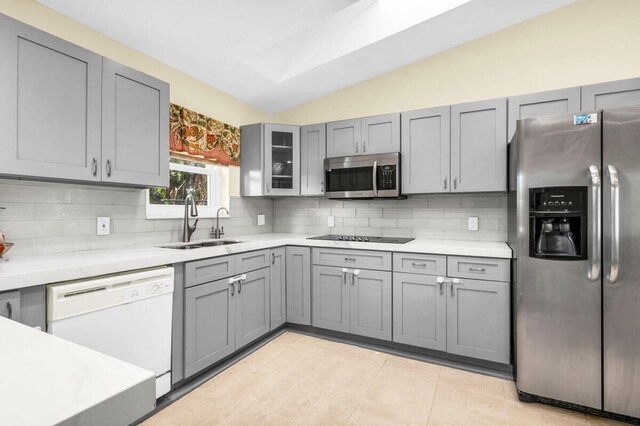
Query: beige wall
[(590, 41), (185, 90)]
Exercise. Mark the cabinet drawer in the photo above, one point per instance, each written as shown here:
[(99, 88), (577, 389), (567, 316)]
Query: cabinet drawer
[(10, 305), (479, 268), (379, 260), (251, 261), (207, 270), (420, 264)]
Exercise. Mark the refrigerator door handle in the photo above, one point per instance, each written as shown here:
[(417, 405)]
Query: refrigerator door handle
[(615, 224), (596, 218)]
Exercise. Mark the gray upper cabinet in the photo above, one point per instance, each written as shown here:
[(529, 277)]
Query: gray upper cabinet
[(278, 291), (478, 323), (612, 94), (540, 104), (479, 146), (370, 304), (298, 266), (270, 164), (331, 287), (343, 138), (209, 324), (50, 105), (419, 311), (425, 151), (313, 142), (381, 134), (252, 307), (369, 135), (135, 127)]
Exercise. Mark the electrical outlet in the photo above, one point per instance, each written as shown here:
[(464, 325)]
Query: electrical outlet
[(331, 221), (261, 220), (103, 226), (472, 223)]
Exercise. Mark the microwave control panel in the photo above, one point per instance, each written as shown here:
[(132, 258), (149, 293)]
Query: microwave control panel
[(386, 177)]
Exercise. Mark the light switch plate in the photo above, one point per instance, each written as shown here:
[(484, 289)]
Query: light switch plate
[(103, 226), (331, 221), (473, 223), (261, 220)]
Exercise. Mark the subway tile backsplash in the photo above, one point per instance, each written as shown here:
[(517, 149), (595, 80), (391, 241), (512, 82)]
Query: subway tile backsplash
[(43, 218)]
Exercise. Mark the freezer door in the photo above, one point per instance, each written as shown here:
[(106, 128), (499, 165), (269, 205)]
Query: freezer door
[(558, 306), (621, 226)]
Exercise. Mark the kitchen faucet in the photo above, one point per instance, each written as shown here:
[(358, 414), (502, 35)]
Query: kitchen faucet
[(188, 229), (217, 232)]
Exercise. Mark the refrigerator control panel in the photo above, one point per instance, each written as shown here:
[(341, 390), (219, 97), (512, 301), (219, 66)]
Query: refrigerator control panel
[(560, 199)]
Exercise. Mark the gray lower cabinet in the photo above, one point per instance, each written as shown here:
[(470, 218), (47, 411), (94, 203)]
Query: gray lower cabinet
[(540, 104), (252, 307), (313, 140), (425, 151), (135, 127), (278, 288), (612, 94), (479, 146), (370, 304), (478, 322), (419, 311), (10, 305), (331, 288), (50, 111), (209, 324), (298, 278)]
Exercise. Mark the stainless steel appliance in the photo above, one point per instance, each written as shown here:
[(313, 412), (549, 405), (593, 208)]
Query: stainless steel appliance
[(576, 235), (363, 239), (363, 176)]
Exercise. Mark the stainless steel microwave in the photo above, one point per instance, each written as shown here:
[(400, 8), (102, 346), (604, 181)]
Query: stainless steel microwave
[(363, 176)]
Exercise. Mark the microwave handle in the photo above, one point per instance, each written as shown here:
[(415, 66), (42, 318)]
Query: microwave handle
[(375, 177)]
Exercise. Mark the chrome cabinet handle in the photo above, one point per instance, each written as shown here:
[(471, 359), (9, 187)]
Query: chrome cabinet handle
[(440, 281), (268, 188), (474, 269), (108, 168), (455, 183), (322, 186), (454, 281), (94, 167), (349, 259), (273, 258), (240, 286), (354, 275), (615, 225), (233, 287), (356, 147), (364, 147), (375, 177), (596, 220), (9, 310), (419, 264), (345, 271), (445, 183)]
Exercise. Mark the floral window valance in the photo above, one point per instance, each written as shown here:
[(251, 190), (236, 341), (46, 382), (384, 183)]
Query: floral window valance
[(206, 139)]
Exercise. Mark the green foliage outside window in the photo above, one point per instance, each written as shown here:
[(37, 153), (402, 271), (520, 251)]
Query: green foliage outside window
[(180, 183)]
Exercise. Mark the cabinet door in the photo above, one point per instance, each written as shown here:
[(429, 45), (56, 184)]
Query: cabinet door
[(209, 324), (313, 144), (613, 94), (381, 134), (478, 320), (278, 293), (282, 159), (10, 305), (50, 105), (419, 311), (479, 146), (298, 265), (135, 127), (343, 138), (252, 307), (540, 104), (425, 151), (370, 301), (331, 298)]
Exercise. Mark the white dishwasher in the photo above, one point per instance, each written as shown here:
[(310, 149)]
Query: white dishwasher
[(127, 316)]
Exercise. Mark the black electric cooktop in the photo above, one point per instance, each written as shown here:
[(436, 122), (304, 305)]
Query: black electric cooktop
[(363, 239)]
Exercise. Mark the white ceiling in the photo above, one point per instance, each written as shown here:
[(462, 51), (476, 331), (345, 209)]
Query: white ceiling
[(276, 54)]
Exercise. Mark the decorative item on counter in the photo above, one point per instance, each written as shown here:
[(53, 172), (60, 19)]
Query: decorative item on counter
[(5, 246), (277, 168)]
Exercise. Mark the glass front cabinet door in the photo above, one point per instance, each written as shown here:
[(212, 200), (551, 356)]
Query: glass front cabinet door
[(282, 159)]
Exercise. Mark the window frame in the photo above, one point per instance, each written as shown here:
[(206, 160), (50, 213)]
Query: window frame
[(214, 193)]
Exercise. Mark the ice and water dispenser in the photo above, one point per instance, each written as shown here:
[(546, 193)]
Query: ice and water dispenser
[(558, 223)]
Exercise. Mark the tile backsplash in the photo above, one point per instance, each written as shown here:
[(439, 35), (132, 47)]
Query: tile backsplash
[(42, 218), (421, 216)]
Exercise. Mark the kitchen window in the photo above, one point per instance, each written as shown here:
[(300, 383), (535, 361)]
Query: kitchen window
[(208, 183)]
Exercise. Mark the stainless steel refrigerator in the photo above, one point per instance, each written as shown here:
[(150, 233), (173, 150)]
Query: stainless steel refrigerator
[(575, 228)]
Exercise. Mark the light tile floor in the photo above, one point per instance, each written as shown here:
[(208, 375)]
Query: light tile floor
[(302, 380)]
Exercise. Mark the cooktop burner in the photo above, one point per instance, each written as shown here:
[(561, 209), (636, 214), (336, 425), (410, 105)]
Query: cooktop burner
[(363, 239)]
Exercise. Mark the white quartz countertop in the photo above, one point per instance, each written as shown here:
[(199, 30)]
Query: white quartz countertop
[(47, 380), (26, 271)]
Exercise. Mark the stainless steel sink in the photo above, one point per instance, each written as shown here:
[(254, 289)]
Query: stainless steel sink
[(190, 246)]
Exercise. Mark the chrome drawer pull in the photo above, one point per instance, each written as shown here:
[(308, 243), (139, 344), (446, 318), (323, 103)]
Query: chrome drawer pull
[(472, 269), (420, 264), (349, 259)]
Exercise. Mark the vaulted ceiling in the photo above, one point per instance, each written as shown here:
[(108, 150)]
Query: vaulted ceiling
[(276, 54)]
